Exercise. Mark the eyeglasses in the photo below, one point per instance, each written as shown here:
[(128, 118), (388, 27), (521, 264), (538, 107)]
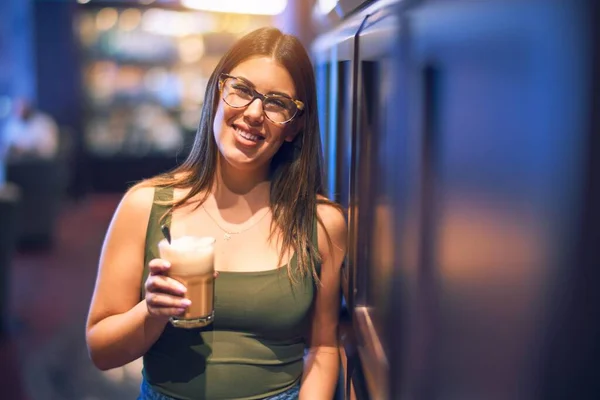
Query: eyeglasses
[(278, 108)]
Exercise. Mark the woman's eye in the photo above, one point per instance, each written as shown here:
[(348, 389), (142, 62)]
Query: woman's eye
[(242, 89), (277, 103)]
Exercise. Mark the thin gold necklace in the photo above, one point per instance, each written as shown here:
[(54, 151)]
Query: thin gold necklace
[(227, 234)]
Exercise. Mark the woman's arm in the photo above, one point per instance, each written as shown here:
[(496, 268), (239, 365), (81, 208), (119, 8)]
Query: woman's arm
[(119, 327), (321, 368)]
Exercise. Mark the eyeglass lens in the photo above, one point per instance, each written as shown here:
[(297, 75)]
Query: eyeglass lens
[(237, 93)]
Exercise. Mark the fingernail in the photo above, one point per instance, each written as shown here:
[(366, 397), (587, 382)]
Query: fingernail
[(186, 302), (182, 288)]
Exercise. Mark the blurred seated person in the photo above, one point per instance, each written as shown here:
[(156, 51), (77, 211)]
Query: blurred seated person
[(30, 133)]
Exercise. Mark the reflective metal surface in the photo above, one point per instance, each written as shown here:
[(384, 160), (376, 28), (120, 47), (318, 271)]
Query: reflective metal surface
[(461, 138)]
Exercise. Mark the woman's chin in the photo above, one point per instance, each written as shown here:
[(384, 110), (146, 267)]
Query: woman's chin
[(241, 160)]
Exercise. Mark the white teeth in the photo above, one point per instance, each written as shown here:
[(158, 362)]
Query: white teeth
[(248, 136)]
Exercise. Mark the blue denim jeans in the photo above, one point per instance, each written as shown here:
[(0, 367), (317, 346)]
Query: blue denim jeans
[(148, 393)]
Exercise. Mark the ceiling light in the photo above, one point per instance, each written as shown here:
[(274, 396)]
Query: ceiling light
[(325, 6), (257, 7)]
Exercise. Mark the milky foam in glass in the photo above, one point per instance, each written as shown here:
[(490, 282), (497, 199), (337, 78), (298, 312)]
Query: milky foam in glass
[(193, 264)]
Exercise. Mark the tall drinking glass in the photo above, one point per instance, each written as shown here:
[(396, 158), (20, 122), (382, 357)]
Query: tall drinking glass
[(193, 264)]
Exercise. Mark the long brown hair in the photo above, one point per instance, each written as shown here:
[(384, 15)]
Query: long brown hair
[(296, 168)]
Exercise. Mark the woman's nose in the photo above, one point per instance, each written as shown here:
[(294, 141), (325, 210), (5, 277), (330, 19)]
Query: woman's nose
[(254, 111)]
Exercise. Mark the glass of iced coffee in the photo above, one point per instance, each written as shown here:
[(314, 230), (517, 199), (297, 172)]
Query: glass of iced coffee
[(192, 263)]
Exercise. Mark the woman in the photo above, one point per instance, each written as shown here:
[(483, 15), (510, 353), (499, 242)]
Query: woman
[(253, 181)]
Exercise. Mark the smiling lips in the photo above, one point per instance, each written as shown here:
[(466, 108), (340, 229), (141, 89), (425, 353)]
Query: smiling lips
[(248, 135)]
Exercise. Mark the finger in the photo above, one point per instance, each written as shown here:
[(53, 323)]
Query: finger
[(158, 266), (216, 274), (165, 311), (160, 300), (165, 284)]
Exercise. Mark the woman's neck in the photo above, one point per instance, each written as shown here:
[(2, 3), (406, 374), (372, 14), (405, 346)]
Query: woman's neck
[(235, 187)]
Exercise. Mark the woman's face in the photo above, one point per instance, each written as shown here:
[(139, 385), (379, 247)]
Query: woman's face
[(244, 136)]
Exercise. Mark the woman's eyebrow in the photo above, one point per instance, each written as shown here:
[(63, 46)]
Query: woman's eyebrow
[(247, 81)]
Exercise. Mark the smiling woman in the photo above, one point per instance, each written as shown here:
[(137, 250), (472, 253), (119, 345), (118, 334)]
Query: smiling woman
[(253, 181)]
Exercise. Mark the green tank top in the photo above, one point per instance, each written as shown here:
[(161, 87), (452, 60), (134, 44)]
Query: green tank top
[(252, 350)]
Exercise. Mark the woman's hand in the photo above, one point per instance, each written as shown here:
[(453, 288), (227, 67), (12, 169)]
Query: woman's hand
[(164, 295)]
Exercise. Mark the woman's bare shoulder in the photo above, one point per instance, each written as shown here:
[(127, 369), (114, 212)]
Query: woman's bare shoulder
[(333, 225), (129, 223), (137, 201), (330, 213)]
